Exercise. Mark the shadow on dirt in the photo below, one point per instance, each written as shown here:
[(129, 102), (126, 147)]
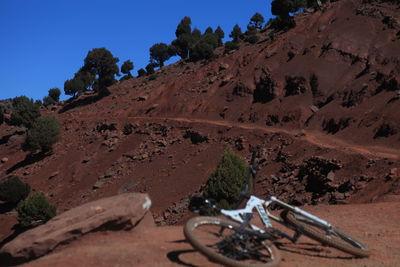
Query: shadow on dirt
[(17, 231), (311, 249), (4, 139), (174, 257), (71, 104), (29, 159), (6, 207)]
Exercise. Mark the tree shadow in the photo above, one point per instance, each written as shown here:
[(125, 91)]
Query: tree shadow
[(74, 103), (29, 159), (17, 231), (310, 249), (5, 258), (4, 139), (6, 207)]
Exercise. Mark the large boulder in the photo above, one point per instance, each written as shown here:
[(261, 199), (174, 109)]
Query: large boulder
[(121, 212)]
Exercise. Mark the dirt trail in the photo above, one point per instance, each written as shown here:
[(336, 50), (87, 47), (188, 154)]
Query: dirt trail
[(313, 137), (377, 225)]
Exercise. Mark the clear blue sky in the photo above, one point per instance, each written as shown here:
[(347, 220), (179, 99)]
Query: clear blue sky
[(44, 42)]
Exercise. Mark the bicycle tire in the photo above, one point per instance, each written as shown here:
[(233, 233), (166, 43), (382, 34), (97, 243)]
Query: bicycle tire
[(343, 242), (193, 225)]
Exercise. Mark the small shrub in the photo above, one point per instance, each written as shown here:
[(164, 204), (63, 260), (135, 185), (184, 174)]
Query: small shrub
[(295, 85), (265, 90), (227, 181), (251, 37), (24, 112), (44, 133), (35, 210), (141, 73), (13, 190), (152, 77), (128, 129), (230, 46), (55, 93), (48, 100), (385, 130)]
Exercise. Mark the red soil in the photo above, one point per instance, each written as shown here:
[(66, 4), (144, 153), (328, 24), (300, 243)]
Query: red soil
[(349, 46)]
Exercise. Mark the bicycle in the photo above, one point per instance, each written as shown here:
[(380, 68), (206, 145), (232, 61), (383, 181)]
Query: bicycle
[(236, 242)]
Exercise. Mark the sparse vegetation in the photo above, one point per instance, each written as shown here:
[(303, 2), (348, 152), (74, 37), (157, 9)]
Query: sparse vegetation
[(183, 38), (35, 210), (295, 85), (55, 94), (126, 69), (97, 73), (150, 68), (227, 181), (265, 90), (44, 133), (161, 52), (100, 63), (236, 33), (24, 112), (141, 72), (385, 130), (230, 46), (256, 22), (13, 190), (219, 33), (47, 101)]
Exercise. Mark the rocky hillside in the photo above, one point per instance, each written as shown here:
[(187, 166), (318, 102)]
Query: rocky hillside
[(319, 103)]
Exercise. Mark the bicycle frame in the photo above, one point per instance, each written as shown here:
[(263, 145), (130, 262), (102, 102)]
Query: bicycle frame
[(262, 209)]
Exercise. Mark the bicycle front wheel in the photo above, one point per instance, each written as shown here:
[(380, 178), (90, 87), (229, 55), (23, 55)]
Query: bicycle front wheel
[(222, 241), (334, 237)]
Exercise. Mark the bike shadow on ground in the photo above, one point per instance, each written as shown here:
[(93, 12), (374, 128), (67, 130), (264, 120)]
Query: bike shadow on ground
[(311, 250), (175, 255)]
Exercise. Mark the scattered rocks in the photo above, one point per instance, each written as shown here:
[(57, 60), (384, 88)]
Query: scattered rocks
[(99, 184), (4, 160), (86, 160), (54, 174)]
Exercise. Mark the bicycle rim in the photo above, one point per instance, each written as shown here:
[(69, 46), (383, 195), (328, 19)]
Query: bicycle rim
[(334, 237), (219, 240)]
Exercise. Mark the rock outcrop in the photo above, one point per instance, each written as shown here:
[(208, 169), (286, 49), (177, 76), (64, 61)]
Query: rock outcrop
[(121, 212)]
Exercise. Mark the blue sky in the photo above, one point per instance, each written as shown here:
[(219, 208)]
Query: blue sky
[(44, 42)]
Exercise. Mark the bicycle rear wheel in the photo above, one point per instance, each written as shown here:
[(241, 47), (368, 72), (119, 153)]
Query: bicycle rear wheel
[(220, 240), (334, 238)]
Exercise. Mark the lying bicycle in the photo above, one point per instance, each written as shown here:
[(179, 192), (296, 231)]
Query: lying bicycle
[(237, 242)]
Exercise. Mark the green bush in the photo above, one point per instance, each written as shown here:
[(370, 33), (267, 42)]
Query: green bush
[(141, 73), (44, 133), (35, 210), (227, 180), (48, 100), (55, 93), (13, 190), (24, 112), (251, 37), (229, 46)]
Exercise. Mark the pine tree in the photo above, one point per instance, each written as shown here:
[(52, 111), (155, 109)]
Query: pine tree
[(236, 33), (220, 35)]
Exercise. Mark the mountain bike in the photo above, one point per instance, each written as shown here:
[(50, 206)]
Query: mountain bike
[(237, 242)]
